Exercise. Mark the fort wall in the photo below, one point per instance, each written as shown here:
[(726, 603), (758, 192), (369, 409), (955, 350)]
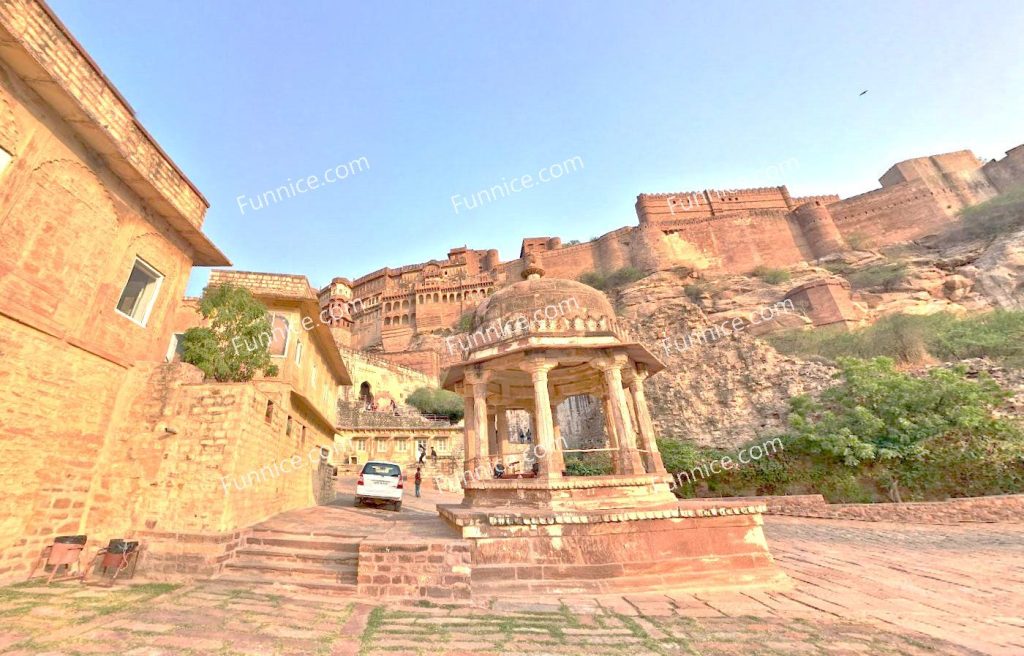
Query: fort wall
[(715, 231), (1008, 173)]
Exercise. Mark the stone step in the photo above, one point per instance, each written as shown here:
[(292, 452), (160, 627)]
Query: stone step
[(322, 543), (286, 555), (262, 585), (293, 571), (486, 583)]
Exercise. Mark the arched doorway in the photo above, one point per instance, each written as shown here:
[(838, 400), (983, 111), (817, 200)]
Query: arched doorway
[(365, 393)]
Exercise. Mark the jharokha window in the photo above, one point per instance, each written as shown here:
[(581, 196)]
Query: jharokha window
[(139, 293), (278, 335)]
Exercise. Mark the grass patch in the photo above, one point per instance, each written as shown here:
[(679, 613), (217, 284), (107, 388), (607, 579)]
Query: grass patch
[(770, 275), (697, 290), (995, 217), (613, 280), (884, 277), (373, 622), (910, 339)]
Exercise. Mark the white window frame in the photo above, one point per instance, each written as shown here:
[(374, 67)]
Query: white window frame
[(401, 445), (172, 348), (152, 301), (360, 444)]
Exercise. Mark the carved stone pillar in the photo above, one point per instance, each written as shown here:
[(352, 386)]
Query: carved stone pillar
[(551, 463), (471, 452), (609, 429), (648, 441), (477, 382), (630, 462)]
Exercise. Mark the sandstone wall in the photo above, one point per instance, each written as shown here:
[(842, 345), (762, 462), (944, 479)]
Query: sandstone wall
[(388, 380), (54, 414), (1000, 508), (1007, 173), (71, 230)]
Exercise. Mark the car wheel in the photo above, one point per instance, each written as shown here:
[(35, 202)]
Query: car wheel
[(358, 502), (398, 506)]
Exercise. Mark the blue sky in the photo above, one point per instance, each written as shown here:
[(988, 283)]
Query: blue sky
[(450, 98)]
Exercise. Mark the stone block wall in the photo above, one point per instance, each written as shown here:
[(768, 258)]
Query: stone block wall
[(1008, 173), (189, 464), (388, 380), (424, 570), (826, 302), (1000, 508)]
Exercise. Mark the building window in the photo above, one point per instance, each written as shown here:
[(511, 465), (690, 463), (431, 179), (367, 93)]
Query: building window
[(270, 411), (302, 434), (176, 350), (298, 353), (382, 445), (442, 444), (139, 292), (402, 445), (278, 335), (360, 444), (288, 426)]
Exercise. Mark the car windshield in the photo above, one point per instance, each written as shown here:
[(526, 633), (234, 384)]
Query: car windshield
[(382, 469)]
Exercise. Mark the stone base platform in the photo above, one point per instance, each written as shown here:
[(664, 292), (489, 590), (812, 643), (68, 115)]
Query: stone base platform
[(697, 545)]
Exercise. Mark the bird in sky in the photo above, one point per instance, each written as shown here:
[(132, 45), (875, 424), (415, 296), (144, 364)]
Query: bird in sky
[(863, 92)]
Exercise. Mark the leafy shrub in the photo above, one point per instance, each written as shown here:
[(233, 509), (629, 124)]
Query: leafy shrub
[(234, 347), (879, 434), (770, 275), (885, 277), (588, 464), (465, 322), (572, 242), (615, 279), (433, 401), (913, 339)]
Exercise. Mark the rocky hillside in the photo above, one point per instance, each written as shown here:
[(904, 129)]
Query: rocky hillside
[(723, 392)]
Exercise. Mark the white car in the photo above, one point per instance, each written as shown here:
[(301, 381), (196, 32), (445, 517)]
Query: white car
[(380, 481)]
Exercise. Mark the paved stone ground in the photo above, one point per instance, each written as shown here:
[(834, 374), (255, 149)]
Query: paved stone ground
[(860, 588)]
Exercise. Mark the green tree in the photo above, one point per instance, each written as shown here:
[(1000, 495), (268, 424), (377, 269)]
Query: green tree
[(233, 348)]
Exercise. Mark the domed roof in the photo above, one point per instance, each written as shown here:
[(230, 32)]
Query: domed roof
[(546, 299)]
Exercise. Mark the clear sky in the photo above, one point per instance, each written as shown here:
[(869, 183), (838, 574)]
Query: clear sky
[(454, 97)]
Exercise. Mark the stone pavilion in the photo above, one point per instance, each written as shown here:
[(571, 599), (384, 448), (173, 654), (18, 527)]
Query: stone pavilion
[(539, 529)]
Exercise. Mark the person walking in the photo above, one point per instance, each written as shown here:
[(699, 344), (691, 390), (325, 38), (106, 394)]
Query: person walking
[(418, 480), (433, 455), (423, 454)]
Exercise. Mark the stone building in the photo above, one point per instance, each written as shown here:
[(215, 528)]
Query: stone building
[(99, 232), (104, 432)]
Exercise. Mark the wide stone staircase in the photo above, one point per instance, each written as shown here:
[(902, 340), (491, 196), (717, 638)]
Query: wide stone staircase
[(321, 563)]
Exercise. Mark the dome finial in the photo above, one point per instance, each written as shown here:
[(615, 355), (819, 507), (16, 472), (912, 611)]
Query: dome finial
[(533, 269)]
